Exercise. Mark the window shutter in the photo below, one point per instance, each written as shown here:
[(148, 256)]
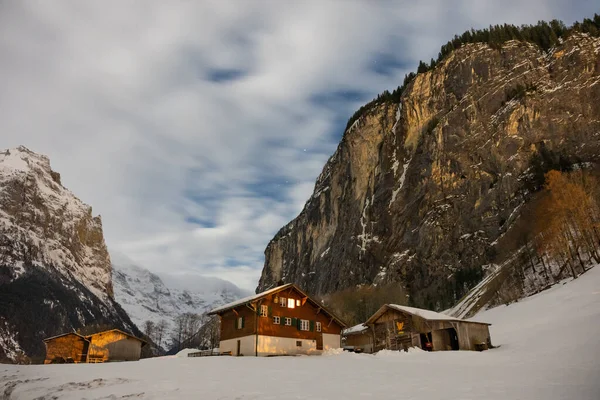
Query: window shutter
[(298, 324), (270, 312), (235, 323), (312, 326), (295, 322), (243, 322)]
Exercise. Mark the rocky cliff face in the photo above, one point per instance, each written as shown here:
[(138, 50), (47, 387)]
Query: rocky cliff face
[(419, 192), (55, 270)]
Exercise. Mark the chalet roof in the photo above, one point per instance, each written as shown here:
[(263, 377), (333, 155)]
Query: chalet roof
[(419, 312), (65, 334), (249, 299), (256, 297), (355, 330)]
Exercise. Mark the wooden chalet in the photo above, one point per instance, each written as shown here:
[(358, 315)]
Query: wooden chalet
[(111, 345), (396, 327), (279, 321)]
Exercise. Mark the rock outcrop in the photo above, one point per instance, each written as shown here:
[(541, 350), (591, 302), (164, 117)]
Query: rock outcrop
[(419, 192), (55, 270)]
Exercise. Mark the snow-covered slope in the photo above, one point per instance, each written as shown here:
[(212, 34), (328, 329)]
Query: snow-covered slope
[(145, 296), (548, 350), (55, 271)]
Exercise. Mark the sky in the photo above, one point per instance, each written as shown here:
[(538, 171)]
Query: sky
[(197, 129)]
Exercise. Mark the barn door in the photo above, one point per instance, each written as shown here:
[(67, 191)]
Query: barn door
[(319, 341)]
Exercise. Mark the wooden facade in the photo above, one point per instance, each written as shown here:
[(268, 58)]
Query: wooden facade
[(398, 328), (284, 320), (358, 340), (68, 347), (112, 345)]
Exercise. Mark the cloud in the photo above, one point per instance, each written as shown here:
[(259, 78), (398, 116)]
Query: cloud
[(197, 129)]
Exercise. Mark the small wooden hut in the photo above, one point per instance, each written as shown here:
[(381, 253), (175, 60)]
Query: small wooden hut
[(358, 338), (68, 347), (111, 345), (396, 327)]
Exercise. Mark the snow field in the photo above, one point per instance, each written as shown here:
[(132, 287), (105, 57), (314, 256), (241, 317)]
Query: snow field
[(549, 349)]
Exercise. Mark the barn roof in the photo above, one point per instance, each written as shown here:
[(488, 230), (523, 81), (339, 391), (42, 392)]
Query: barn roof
[(88, 337), (118, 330), (419, 312), (256, 297), (64, 334)]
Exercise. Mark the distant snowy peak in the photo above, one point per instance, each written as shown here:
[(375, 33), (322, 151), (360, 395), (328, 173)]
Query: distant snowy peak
[(145, 296)]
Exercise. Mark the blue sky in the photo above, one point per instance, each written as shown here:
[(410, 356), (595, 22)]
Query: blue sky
[(197, 128)]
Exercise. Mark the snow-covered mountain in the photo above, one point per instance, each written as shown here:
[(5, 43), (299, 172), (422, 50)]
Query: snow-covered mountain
[(145, 296), (55, 270)]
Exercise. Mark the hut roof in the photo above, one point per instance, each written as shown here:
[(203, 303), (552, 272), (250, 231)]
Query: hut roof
[(419, 312), (118, 330), (355, 330), (256, 297), (65, 334)]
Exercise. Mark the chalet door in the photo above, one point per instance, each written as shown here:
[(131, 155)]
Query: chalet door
[(239, 345), (319, 341)]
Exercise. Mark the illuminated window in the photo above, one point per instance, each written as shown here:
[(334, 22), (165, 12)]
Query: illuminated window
[(291, 303), (282, 301), (276, 320), (297, 303), (264, 311), (288, 321), (304, 325), (298, 343), (276, 300), (318, 326)]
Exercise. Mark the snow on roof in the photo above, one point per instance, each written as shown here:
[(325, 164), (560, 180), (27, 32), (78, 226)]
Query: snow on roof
[(355, 329), (249, 299), (419, 312), (64, 334), (425, 314)]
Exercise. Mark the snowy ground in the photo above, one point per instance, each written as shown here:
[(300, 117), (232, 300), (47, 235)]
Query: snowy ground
[(550, 349)]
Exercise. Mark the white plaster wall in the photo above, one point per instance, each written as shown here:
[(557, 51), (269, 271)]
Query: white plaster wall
[(331, 341), (247, 345), (271, 345)]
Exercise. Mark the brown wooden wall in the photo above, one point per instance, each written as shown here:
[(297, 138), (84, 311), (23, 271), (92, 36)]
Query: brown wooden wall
[(229, 320), (114, 346), (67, 346)]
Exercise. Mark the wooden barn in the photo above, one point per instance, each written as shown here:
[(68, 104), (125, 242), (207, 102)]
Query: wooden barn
[(280, 321), (396, 327), (112, 345)]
